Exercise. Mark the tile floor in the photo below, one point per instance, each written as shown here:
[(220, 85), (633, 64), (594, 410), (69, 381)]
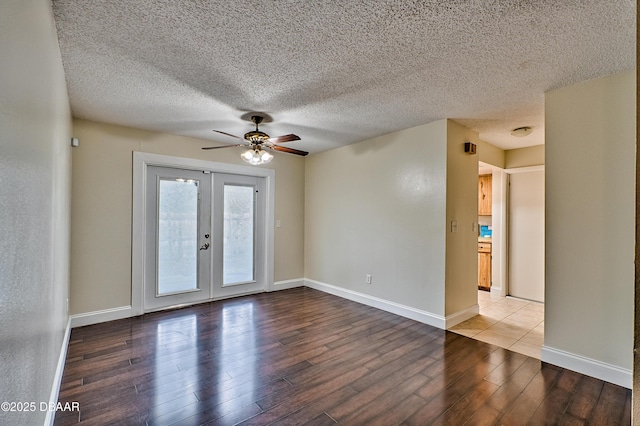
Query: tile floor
[(514, 324)]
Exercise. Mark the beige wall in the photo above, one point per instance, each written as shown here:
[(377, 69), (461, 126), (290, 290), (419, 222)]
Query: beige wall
[(378, 207), (590, 169), (488, 153), (524, 157), (101, 208), (462, 206), (35, 184), (385, 206)]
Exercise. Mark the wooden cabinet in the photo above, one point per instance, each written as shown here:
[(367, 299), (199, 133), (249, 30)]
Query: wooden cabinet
[(484, 195), (484, 266)]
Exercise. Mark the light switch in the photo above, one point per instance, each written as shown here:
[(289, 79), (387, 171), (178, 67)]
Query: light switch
[(454, 226), (278, 223)]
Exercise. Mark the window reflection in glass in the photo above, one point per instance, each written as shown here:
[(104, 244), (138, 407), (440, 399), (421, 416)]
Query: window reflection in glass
[(238, 235), (177, 236)]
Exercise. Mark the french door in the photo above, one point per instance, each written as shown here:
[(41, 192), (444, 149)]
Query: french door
[(238, 223), (204, 236)]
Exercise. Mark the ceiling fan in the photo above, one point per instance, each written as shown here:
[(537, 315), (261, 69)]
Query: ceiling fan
[(257, 141)]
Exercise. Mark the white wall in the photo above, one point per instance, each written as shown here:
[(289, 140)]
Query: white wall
[(526, 235), (379, 207), (35, 166), (590, 223), (102, 209)]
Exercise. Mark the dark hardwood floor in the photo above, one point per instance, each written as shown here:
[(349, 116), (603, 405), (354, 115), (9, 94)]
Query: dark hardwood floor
[(303, 357)]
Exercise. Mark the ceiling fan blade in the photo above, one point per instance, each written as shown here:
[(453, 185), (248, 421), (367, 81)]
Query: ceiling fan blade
[(223, 146), (284, 138), (288, 150), (229, 134)]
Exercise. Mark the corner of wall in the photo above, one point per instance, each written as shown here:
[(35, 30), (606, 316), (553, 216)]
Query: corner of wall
[(461, 255), (590, 191), (524, 157), (35, 170)]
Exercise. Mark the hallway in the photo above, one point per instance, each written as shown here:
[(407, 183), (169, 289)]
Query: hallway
[(514, 324)]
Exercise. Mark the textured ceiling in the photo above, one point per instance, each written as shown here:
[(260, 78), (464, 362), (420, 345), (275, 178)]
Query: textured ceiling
[(335, 72)]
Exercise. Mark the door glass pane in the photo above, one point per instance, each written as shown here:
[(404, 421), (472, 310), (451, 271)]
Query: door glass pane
[(238, 234), (177, 236)]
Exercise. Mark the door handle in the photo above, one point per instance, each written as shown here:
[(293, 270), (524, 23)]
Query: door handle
[(205, 246)]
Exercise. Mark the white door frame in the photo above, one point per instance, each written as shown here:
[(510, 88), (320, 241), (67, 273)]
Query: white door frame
[(141, 160)]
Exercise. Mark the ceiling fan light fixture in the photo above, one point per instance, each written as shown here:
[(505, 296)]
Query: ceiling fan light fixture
[(256, 156), (521, 132), (256, 141)]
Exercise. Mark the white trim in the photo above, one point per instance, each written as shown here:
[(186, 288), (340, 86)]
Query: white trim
[(385, 305), (283, 285), (497, 291), (140, 162), (202, 302), (463, 315), (501, 242), (138, 233), (269, 223), (88, 318), (526, 169), (57, 378), (590, 367)]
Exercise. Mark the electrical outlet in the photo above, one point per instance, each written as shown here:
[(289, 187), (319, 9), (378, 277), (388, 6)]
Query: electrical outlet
[(368, 279)]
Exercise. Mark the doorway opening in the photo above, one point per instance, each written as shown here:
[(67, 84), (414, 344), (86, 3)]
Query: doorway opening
[(509, 314)]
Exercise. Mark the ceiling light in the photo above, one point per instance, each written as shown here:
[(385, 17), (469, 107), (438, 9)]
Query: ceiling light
[(256, 156), (521, 132)]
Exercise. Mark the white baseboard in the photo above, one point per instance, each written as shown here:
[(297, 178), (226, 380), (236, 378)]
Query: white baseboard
[(460, 316), (57, 378), (283, 285), (497, 291), (375, 302), (105, 315), (425, 317), (590, 367)]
